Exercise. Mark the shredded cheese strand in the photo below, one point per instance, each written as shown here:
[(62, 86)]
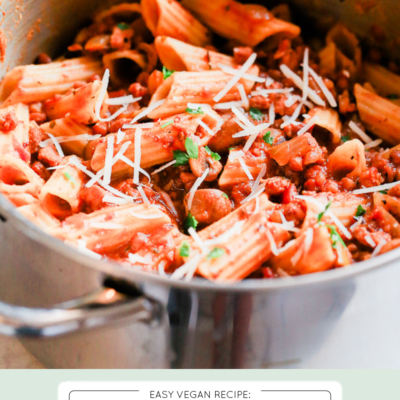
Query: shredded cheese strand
[(248, 77), (236, 78), (329, 96), (58, 147), (305, 74), (308, 125), (108, 160), (195, 186), (245, 168), (143, 194), (138, 139), (119, 101), (148, 110), (271, 114), (163, 167), (353, 126), (243, 96)]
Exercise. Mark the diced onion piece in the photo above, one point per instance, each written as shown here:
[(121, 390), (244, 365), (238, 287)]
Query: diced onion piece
[(236, 78), (195, 186)]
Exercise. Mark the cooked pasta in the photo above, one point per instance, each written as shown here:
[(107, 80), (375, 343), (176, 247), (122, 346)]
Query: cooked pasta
[(207, 139)]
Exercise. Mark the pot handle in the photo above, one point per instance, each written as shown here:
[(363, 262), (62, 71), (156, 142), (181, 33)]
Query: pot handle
[(102, 307)]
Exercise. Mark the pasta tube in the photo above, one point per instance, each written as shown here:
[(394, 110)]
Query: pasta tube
[(15, 141), (157, 143), (245, 251), (169, 18), (83, 226), (66, 127), (31, 83), (180, 56), (182, 88), (311, 252), (385, 82), (329, 120), (349, 158), (60, 194), (248, 24), (39, 216), (79, 105), (16, 177), (379, 115)]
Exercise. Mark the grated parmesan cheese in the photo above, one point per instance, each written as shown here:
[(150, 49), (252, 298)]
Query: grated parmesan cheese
[(370, 241), (267, 92), (143, 194), (65, 139), (58, 147), (148, 110), (235, 230), (243, 96), (138, 139), (120, 136), (303, 250), (242, 117), (271, 114), (206, 127), (386, 186), (135, 258), (355, 128), (195, 236), (236, 78), (320, 82), (359, 221), (308, 125), (305, 74), (186, 268), (245, 168), (269, 81), (106, 225), (82, 248), (248, 77), (299, 83), (372, 144), (228, 105), (274, 247), (163, 167), (108, 160), (150, 216), (116, 200), (254, 136), (254, 195), (195, 186), (293, 118), (254, 130), (119, 101), (378, 248)]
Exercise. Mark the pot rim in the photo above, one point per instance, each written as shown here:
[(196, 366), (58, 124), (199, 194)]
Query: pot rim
[(114, 269)]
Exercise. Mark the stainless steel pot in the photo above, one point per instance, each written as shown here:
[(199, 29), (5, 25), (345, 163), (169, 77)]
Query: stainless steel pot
[(347, 318)]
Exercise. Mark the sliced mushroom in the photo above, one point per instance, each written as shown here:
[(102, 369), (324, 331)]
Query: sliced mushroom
[(204, 161), (209, 206)]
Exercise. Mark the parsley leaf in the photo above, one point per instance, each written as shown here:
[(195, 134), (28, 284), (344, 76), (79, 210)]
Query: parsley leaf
[(345, 138), (215, 253), (232, 148), (194, 110), (225, 195), (168, 123), (360, 211), (184, 251), (69, 177), (320, 215), (393, 97), (181, 158), (214, 156), (123, 26), (166, 72), (256, 114), (190, 222), (335, 237), (192, 148), (383, 191), (267, 138)]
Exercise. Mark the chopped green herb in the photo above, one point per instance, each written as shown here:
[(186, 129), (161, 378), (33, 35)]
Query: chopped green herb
[(360, 211), (383, 191), (192, 148), (335, 237), (190, 222), (232, 148), (321, 215), (256, 114), (214, 156), (184, 251), (194, 110), (123, 26), (166, 72), (225, 195), (215, 253), (181, 158), (168, 123), (393, 97), (69, 177), (267, 138), (345, 138)]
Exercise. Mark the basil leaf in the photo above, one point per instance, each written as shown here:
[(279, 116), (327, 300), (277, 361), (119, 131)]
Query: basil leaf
[(214, 156), (360, 211), (256, 114), (194, 110), (192, 148), (123, 26), (216, 252), (184, 250), (267, 138), (190, 222), (166, 72), (181, 158), (320, 215)]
